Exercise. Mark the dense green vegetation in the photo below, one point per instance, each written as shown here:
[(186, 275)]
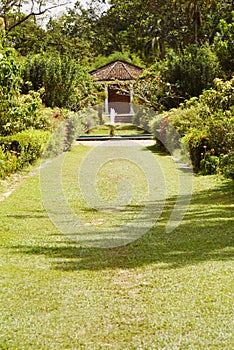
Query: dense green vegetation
[(186, 48), (206, 125)]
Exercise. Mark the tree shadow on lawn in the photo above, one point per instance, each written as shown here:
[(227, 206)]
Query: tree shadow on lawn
[(206, 233)]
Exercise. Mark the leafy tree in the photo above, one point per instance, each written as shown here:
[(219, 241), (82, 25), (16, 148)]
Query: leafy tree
[(16, 12), (28, 38), (63, 38), (17, 112), (10, 71), (159, 25), (193, 71), (224, 45), (168, 83)]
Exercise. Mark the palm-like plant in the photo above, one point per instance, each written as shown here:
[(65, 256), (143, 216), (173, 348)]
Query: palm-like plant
[(193, 11)]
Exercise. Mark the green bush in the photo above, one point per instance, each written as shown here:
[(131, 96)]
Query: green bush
[(10, 71), (21, 149), (8, 163), (17, 112), (198, 144), (185, 119), (25, 113), (227, 165), (209, 164), (206, 125), (223, 45), (192, 71), (65, 82), (220, 97)]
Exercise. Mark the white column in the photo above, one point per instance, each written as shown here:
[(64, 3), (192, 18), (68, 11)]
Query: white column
[(131, 99), (106, 100)]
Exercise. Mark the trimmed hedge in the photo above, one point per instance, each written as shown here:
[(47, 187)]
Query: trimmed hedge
[(21, 149)]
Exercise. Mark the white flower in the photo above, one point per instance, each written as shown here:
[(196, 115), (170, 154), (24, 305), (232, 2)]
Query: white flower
[(1, 56)]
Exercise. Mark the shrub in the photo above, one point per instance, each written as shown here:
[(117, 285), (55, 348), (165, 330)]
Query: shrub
[(220, 129), (209, 164), (143, 117), (223, 45), (192, 71), (17, 112), (65, 82), (207, 125), (220, 97), (21, 149), (198, 144), (10, 71), (8, 163), (25, 113), (227, 165)]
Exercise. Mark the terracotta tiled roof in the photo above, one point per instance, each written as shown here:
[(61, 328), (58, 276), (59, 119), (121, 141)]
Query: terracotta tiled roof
[(117, 70)]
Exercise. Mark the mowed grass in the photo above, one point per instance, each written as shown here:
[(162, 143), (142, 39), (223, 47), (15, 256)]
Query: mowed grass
[(162, 291), (124, 129)]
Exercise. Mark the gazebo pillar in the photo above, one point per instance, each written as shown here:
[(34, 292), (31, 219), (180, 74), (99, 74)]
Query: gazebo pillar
[(106, 100), (131, 99)]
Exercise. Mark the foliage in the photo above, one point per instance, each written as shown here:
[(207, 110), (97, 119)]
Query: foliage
[(25, 113), (124, 26), (143, 117), (209, 164), (10, 72), (125, 56), (67, 36), (192, 71), (221, 97), (168, 83), (28, 38), (151, 30), (65, 82), (206, 125), (17, 112), (168, 138), (213, 109), (152, 90), (198, 144), (65, 130), (21, 149), (17, 12), (227, 164), (224, 45), (185, 119), (207, 145)]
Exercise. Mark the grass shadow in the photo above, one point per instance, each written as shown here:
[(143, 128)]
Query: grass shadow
[(206, 233), (157, 149)]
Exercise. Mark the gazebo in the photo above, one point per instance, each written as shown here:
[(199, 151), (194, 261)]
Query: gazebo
[(117, 76)]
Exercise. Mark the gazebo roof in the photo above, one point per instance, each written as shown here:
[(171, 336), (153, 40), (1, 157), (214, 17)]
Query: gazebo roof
[(117, 70)]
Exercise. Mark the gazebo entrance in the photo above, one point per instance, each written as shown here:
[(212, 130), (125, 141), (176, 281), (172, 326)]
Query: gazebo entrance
[(116, 77), (120, 102)]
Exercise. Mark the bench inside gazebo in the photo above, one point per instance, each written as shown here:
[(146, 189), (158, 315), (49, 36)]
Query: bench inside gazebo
[(116, 77)]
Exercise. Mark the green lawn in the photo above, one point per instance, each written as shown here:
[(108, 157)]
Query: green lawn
[(162, 291), (125, 129)]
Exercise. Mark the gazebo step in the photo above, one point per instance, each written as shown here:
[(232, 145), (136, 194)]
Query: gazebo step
[(123, 118), (118, 137)]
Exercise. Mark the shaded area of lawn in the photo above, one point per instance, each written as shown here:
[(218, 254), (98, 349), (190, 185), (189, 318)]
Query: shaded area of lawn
[(206, 233)]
